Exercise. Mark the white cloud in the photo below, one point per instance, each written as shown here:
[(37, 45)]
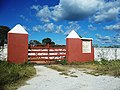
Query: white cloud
[(67, 10), (78, 9), (107, 15), (67, 32), (103, 39), (37, 28), (115, 27), (91, 27), (23, 17), (98, 10), (53, 28), (108, 11), (59, 29), (115, 40), (26, 28), (49, 27), (44, 14), (56, 13), (72, 26), (36, 7)]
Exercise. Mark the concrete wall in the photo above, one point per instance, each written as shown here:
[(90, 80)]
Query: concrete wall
[(3, 52), (106, 53)]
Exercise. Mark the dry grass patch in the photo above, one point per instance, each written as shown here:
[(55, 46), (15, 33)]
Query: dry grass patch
[(103, 67), (59, 68), (63, 69), (14, 75), (96, 68)]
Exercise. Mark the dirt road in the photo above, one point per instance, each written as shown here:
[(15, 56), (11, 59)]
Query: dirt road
[(48, 79)]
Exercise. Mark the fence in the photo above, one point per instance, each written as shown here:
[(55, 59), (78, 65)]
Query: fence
[(107, 53), (3, 52), (46, 54)]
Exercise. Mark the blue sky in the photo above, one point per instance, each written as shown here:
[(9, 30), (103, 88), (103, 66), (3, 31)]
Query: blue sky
[(97, 19)]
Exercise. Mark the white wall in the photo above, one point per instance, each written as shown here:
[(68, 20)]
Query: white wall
[(3, 52), (106, 53)]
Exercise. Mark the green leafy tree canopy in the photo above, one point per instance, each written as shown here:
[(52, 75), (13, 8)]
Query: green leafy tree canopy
[(3, 34), (34, 43), (46, 41)]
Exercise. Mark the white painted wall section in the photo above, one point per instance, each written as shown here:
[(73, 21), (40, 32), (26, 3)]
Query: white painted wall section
[(106, 53)]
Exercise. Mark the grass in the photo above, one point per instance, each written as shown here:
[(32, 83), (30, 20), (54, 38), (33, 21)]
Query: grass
[(103, 67), (63, 69), (108, 67), (73, 76), (59, 68), (86, 65), (96, 68), (14, 75), (64, 73)]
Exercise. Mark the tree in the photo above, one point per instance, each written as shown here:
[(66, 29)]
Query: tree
[(52, 43), (46, 41), (3, 34), (34, 43)]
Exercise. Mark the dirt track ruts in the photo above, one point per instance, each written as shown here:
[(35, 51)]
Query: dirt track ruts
[(48, 79)]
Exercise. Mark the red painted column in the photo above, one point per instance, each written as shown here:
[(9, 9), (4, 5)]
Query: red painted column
[(73, 47), (73, 50), (76, 50), (17, 45)]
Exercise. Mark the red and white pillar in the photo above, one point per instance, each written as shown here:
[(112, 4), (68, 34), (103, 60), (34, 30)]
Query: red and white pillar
[(17, 45), (78, 49)]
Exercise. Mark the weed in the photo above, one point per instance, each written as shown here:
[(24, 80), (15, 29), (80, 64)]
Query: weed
[(73, 76), (64, 73), (109, 67), (62, 62), (103, 67), (59, 68), (13, 73)]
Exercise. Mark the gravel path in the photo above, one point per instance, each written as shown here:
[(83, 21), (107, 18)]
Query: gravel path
[(48, 79)]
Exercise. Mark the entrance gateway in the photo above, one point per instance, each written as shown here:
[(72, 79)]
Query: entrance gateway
[(76, 50)]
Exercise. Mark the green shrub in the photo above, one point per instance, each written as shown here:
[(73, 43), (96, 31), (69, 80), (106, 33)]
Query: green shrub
[(11, 73), (104, 61), (63, 62), (81, 63), (109, 67)]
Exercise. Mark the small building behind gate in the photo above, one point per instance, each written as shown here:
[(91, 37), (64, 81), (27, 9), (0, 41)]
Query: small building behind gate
[(79, 49)]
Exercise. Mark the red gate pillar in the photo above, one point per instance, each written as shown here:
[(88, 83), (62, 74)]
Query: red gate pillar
[(17, 45), (73, 47), (78, 49)]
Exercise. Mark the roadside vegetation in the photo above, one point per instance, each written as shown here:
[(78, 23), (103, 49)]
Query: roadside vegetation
[(108, 68), (63, 70), (14, 75), (103, 67)]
